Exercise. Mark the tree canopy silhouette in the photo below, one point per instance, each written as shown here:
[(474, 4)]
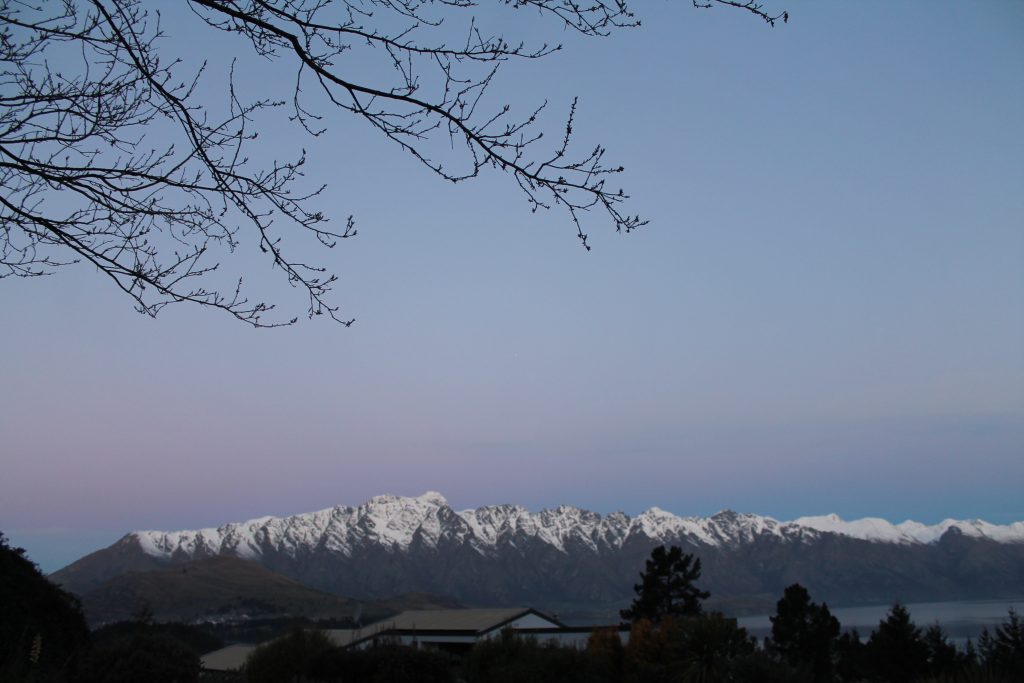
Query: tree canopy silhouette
[(110, 154), (1003, 650), (667, 587), (804, 633), (896, 650), (42, 629)]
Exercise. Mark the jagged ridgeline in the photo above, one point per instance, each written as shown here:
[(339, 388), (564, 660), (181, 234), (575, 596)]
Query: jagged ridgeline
[(573, 558)]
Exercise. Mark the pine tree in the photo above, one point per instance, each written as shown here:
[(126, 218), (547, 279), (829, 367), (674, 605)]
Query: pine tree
[(805, 634), (1004, 651), (897, 651), (943, 658), (667, 587)]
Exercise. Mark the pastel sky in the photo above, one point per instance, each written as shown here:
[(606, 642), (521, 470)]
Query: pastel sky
[(825, 313)]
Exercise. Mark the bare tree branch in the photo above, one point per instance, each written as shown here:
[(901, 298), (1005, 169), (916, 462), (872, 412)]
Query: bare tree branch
[(114, 159)]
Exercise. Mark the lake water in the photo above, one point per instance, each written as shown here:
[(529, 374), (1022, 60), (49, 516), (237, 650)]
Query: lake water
[(960, 620)]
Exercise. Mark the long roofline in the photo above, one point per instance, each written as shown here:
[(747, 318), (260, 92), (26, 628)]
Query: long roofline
[(384, 631)]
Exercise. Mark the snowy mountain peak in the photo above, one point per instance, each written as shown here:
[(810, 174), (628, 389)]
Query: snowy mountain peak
[(395, 523), (433, 498), (867, 529), (910, 532)]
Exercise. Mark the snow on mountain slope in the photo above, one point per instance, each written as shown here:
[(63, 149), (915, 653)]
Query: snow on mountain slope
[(395, 523), (867, 529), (882, 531)]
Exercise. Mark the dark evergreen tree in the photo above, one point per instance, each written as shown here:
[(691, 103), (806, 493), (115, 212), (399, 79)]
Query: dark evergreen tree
[(896, 651), (1003, 651), (805, 634), (970, 654), (667, 587), (851, 657), (943, 658), (42, 629)]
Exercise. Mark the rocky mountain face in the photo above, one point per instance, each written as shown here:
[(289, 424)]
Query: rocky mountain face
[(573, 558)]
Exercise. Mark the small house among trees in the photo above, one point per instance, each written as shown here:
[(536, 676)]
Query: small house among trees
[(446, 629)]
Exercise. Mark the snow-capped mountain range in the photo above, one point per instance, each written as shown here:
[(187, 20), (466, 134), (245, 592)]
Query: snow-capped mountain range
[(508, 555), (395, 522)]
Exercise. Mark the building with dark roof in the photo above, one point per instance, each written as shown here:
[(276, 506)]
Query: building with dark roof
[(459, 629)]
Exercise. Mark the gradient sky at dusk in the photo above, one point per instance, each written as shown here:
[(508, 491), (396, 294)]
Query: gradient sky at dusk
[(825, 314)]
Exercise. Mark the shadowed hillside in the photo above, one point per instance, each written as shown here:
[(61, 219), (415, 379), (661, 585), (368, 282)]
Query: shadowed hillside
[(210, 589)]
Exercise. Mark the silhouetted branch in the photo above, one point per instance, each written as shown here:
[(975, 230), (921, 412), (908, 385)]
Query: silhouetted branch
[(84, 180)]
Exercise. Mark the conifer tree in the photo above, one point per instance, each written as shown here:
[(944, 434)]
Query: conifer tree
[(667, 587), (805, 634), (943, 658), (1003, 651), (896, 651)]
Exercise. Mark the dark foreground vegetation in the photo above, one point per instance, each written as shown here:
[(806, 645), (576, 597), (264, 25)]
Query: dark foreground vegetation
[(44, 638)]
